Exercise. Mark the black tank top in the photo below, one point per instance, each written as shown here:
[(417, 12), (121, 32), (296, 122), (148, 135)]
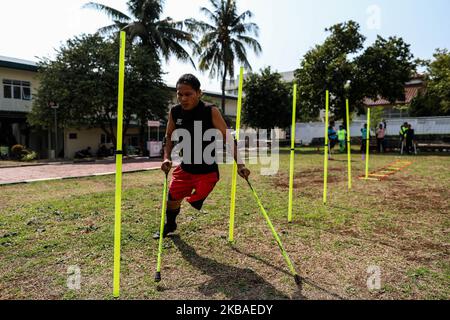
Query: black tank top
[(185, 120)]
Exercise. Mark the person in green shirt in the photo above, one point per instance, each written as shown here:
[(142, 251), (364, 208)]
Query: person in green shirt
[(342, 135), (403, 132)]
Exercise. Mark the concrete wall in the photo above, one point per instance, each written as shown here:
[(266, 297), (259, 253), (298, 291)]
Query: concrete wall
[(306, 132), (423, 126), (87, 138)]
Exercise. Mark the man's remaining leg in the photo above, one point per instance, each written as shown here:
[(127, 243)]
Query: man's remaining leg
[(172, 212)]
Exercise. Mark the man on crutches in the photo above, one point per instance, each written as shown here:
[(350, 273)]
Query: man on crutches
[(195, 178), (192, 180)]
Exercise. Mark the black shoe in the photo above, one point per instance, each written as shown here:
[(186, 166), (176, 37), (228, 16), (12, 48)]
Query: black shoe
[(168, 228)]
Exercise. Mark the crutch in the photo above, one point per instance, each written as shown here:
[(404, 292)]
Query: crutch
[(161, 231), (294, 273)]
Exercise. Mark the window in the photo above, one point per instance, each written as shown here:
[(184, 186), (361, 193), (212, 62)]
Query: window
[(26, 90), (19, 90), (73, 136)]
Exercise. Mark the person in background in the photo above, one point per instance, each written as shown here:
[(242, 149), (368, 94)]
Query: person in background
[(342, 135), (381, 132), (402, 133), (363, 139), (410, 137), (332, 136)]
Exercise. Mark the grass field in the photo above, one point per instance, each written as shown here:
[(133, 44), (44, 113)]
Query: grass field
[(400, 225)]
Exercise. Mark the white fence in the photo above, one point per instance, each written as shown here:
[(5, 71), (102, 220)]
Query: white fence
[(306, 132)]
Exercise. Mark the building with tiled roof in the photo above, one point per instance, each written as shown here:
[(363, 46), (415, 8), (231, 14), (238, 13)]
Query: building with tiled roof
[(412, 89), (18, 85)]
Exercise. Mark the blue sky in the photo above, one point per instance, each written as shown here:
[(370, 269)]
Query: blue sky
[(289, 28)]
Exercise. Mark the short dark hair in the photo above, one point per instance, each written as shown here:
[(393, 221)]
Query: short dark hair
[(190, 80)]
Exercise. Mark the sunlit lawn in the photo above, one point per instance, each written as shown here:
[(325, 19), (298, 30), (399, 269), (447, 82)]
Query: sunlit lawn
[(400, 225)]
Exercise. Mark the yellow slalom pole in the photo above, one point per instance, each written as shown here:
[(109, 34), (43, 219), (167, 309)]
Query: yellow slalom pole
[(325, 170), (293, 132), (119, 155), (349, 147), (368, 143), (234, 174)]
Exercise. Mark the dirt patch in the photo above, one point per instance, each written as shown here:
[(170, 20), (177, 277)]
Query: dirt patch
[(307, 178), (420, 198), (400, 225)]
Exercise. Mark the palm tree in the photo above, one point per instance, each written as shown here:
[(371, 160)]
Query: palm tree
[(164, 36), (143, 25), (224, 40)]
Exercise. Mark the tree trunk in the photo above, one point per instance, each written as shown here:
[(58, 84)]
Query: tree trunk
[(126, 126), (224, 79), (108, 133), (113, 135), (142, 136)]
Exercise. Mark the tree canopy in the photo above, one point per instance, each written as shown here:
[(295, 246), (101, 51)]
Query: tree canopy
[(83, 80), (435, 101), (268, 101), (381, 70), (144, 23), (224, 40)]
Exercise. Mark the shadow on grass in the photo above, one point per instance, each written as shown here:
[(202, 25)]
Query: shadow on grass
[(304, 280), (235, 283)]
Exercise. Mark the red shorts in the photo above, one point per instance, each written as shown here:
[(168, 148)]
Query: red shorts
[(195, 187)]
